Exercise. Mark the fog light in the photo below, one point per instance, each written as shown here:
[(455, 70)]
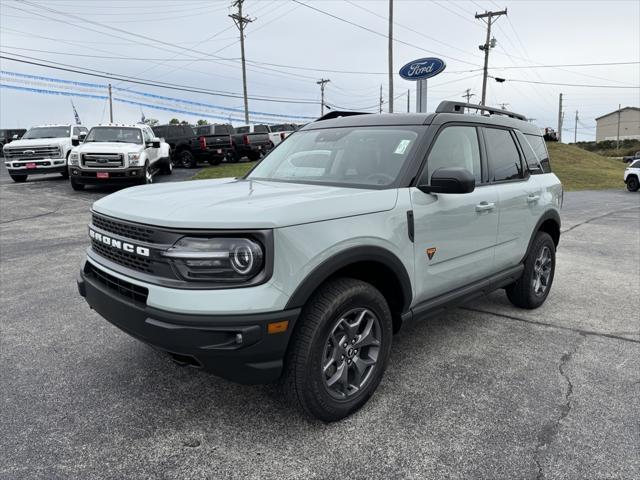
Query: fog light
[(134, 173), (75, 172)]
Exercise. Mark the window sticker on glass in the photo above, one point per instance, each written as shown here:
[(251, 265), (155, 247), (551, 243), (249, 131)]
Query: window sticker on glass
[(402, 147)]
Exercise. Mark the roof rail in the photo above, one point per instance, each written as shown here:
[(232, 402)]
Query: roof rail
[(338, 114), (459, 107)]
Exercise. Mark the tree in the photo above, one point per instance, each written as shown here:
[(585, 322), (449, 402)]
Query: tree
[(202, 122), (184, 122), (152, 122), (174, 121)]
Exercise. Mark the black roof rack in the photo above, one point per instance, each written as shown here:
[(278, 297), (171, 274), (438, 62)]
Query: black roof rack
[(338, 114), (459, 107)]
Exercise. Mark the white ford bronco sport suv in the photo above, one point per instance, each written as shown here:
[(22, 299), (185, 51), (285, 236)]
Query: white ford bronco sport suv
[(117, 155), (303, 269), (43, 149)]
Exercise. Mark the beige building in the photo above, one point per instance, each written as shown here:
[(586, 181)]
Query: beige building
[(627, 117)]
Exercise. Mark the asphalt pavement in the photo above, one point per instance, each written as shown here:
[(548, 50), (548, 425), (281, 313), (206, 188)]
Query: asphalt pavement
[(486, 391)]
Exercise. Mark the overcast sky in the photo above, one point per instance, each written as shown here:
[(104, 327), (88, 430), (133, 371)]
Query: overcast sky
[(194, 43)]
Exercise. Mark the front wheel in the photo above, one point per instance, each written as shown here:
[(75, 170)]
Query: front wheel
[(18, 178), (532, 289), (147, 177), (76, 186), (339, 350), (632, 184)]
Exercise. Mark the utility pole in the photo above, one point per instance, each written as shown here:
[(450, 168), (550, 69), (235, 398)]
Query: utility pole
[(240, 22), (110, 106), (488, 18), (618, 135), (390, 56), (560, 119), (380, 98), (408, 100), (322, 82), (468, 95), (575, 129)]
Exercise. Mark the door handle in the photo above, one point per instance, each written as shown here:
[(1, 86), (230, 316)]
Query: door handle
[(485, 207), (532, 198)]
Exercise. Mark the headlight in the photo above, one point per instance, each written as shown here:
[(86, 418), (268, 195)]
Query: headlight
[(73, 158), (227, 260), (134, 158)]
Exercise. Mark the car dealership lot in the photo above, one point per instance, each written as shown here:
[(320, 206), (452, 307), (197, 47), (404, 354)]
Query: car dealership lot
[(483, 391)]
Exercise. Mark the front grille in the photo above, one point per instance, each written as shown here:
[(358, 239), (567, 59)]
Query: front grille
[(102, 160), (129, 260), (32, 153), (127, 230), (126, 289)]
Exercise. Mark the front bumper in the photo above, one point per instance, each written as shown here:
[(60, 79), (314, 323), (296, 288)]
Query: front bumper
[(235, 347), (27, 167), (116, 177)]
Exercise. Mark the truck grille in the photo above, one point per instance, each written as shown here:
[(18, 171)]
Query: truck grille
[(32, 153), (128, 230), (129, 260), (102, 160), (126, 289)]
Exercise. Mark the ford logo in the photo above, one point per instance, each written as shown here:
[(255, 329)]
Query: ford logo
[(29, 152), (422, 68)]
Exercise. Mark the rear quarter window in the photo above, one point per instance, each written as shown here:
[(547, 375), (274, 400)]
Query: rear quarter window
[(539, 146)]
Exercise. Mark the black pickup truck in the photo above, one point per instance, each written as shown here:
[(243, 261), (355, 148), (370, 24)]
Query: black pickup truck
[(235, 143), (6, 135), (187, 147)]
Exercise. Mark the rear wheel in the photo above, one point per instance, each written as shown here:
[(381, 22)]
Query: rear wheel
[(632, 184), (76, 186), (234, 157), (253, 156), (18, 178), (167, 167), (339, 350), (533, 287), (186, 159)]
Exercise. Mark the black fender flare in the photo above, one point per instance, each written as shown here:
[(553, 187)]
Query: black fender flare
[(548, 215), (346, 258)]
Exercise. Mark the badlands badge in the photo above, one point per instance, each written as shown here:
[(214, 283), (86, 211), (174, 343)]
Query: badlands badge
[(431, 252)]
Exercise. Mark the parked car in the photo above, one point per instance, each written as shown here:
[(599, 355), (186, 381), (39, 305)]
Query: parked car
[(283, 130), (218, 140), (632, 176), (631, 158), (186, 147), (8, 135), (118, 154), (253, 141), (303, 269), (43, 149)]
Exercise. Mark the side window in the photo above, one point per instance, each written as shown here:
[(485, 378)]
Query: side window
[(540, 147), (75, 131), (261, 129), (242, 130), (145, 135), (455, 146), (503, 154), (530, 156), (84, 130)]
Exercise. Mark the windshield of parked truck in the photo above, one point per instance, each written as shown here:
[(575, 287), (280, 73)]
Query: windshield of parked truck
[(47, 132), (355, 157), (285, 127), (114, 134)]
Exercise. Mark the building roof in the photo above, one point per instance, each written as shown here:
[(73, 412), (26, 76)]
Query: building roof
[(616, 111)]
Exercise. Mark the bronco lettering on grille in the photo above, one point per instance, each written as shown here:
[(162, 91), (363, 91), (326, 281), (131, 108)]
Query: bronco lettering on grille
[(118, 244)]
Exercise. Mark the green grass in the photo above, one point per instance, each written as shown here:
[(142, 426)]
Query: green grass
[(579, 169), (224, 170)]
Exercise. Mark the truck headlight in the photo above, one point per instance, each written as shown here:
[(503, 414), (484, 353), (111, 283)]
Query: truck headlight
[(134, 158), (224, 259), (73, 158)]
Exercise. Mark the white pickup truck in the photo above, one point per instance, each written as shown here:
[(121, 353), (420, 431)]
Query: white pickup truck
[(43, 149), (118, 154)]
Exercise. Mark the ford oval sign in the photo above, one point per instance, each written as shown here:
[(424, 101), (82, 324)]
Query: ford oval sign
[(422, 69)]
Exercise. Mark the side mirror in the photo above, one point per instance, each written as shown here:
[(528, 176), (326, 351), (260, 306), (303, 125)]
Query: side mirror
[(75, 141), (82, 136), (450, 180), (155, 142)]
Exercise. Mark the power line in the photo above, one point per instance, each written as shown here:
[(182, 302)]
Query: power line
[(562, 84)]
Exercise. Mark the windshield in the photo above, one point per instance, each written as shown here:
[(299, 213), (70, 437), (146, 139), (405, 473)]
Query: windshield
[(356, 157), (286, 127), (114, 134), (47, 132)]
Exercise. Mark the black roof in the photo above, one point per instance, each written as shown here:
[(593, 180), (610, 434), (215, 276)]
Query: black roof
[(495, 118)]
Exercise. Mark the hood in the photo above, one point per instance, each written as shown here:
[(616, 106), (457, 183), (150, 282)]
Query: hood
[(230, 204), (35, 142), (108, 147)]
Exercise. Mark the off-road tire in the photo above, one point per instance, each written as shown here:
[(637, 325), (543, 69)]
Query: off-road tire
[(186, 159), (18, 178), (633, 184), (522, 293), (303, 379), (77, 186)]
